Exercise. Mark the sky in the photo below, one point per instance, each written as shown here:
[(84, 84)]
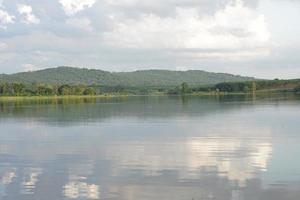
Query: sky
[(258, 38)]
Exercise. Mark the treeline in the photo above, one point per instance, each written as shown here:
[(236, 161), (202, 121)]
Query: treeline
[(240, 87), (268, 85), (20, 89)]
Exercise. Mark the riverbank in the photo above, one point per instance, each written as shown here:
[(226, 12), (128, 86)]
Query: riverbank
[(15, 98), (103, 96), (257, 92)]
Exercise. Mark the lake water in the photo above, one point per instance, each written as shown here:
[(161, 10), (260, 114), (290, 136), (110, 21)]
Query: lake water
[(151, 148)]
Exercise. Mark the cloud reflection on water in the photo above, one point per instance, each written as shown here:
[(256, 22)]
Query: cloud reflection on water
[(200, 150), (236, 159)]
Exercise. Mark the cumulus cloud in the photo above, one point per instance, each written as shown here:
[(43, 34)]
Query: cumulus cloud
[(26, 12), (234, 36), (233, 27), (5, 19), (72, 7), (232, 55), (157, 4), (29, 67), (124, 3), (83, 24)]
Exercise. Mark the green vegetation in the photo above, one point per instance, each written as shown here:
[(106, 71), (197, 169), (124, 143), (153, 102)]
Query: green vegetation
[(297, 89), (262, 85), (183, 89), (239, 87), (65, 81), (146, 78), (20, 89)]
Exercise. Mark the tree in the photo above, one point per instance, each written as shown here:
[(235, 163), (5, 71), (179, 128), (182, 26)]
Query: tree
[(224, 87), (175, 91), (7, 89), (45, 90), (297, 89), (18, 88), (89, 91), (64, 90), (246, 89), (1, 89), (185, 88)]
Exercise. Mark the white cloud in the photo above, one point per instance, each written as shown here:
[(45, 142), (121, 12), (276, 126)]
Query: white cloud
[(80, 23), (122, 2), (235, 55), (156, 4), (72, 7), (233, 27), (29, 67), (5, 19), (27, 15)]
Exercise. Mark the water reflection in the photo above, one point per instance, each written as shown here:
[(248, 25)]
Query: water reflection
[(145, 149), (236, 159), (29, 180), (66, 111), (78, 188), (7, 176)]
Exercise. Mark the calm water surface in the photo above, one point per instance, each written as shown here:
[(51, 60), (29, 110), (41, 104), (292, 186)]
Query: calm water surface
[(151, 148)]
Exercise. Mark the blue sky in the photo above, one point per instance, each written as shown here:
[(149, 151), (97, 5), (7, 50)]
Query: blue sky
[(249, 37)]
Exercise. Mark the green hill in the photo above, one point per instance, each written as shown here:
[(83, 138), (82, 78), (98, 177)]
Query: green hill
[(69, 75)]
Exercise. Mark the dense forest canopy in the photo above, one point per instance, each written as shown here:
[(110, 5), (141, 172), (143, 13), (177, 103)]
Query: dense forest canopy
[(64, 81), (20, 89), (147, 78)]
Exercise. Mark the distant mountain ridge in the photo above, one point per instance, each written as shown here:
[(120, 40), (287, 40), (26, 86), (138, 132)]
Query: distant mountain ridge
[(71, 75)]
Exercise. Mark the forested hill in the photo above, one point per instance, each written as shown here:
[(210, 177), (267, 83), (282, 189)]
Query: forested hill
[(69, 75)]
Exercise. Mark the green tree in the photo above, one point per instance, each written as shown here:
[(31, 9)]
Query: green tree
[(79, 90), (7, 89), (18, 88), (1, 89), (64, 90), (297, 89), (185, 88), (246, 89), (45, 90), (89, 91), (224, 87)]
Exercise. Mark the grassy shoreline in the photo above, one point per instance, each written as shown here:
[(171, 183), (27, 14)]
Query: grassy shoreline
[(103, 96), (13, 98)]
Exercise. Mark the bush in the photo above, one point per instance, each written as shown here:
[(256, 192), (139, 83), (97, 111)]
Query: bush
[(297, 89), (89, 91)]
